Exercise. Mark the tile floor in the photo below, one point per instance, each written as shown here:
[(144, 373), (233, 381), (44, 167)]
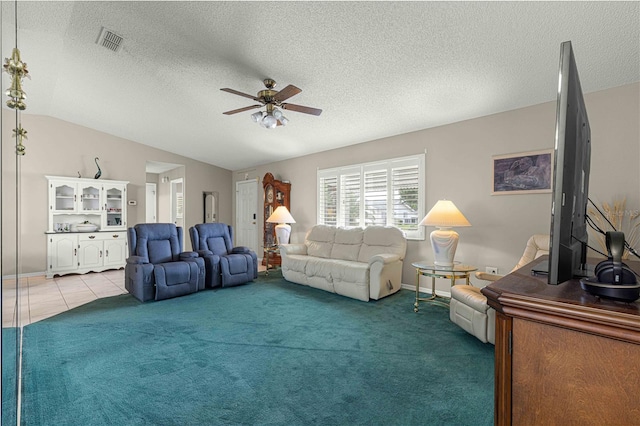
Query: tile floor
[(42, 298)]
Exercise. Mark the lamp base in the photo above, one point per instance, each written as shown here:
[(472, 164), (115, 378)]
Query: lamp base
[(283, 231), (444, 242)]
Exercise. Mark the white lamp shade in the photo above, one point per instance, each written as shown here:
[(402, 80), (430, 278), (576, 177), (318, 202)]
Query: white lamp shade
[(444, 241), (444, 214), (281, 215)]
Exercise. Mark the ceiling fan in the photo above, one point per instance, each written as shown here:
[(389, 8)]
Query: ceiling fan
[(273, 100)]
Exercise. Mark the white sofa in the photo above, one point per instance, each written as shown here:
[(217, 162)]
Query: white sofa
[(354, 262)]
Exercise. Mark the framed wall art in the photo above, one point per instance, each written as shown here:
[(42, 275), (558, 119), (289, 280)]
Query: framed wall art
[(523, 173)]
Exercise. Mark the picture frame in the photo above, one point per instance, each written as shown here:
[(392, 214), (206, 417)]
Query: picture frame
[(523, 173)]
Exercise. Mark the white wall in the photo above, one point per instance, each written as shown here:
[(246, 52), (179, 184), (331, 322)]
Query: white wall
[(458, 167), (60, 148)]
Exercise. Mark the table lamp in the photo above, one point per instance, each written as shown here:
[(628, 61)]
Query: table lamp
[(282, 217), (444, 240)]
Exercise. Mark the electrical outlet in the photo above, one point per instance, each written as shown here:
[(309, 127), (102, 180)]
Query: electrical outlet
[(491, 270)]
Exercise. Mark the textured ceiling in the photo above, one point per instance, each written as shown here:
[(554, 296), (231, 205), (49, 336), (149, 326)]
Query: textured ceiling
[(376, 69)]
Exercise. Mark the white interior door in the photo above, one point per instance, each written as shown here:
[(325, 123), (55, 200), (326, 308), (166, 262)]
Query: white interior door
[(177, 202), (151, 204), (246, 231)]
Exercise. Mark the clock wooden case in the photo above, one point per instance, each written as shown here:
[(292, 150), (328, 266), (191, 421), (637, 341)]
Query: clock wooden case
[(276, 193)]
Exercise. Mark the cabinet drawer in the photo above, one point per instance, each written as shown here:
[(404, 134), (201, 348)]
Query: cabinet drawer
[(102, 236)]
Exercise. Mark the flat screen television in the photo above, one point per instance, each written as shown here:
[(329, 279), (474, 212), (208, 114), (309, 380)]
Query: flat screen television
[(572, 154)]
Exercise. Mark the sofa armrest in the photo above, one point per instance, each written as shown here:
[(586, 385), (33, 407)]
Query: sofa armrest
[(204, 253), (136, 260), (384, 258), (293, 249), (188, 255), (485, 276)]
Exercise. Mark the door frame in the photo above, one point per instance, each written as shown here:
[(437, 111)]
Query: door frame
[(257, 206), (155, 201)]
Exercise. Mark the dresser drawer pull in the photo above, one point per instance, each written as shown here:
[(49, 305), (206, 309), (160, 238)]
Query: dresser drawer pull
[(91, 237), (115, 235)]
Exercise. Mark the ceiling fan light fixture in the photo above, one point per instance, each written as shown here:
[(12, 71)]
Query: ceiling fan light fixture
[(270, 122), (257, 116), (271, 99)]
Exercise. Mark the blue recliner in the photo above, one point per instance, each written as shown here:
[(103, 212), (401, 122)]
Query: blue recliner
[(225, 265), (156, 268)]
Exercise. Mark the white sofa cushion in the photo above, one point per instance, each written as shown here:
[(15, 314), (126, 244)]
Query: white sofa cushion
[(382, 239), (347, 244), (319, 241)]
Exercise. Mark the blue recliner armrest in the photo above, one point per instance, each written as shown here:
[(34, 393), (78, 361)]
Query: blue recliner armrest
[(204, 253), (194, 257), (136, 260), (188, 255), (241, 250)]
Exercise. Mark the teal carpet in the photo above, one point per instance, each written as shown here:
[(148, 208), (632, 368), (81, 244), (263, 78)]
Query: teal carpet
[(269, 352), (9, 394)]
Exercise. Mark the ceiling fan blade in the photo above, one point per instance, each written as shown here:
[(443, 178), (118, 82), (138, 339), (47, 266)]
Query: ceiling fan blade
[(235, 92), (235, 111), (286, 93), (300, 108)]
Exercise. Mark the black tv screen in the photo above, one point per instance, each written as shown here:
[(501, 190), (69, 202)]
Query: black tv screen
[(568, 244)]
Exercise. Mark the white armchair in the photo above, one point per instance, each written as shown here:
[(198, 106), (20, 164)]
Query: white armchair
[(469, 308)]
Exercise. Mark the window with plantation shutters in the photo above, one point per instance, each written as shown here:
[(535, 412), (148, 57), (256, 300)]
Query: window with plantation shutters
[(388, 193)]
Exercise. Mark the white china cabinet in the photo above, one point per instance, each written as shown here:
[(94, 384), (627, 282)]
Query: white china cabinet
[(87, 225)]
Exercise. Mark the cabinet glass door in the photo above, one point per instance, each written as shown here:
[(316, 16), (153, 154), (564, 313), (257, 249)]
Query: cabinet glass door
[(90, 199), (113, 205), (64, 197)]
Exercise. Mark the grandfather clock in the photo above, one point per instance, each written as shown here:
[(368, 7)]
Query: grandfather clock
[(276, 193)]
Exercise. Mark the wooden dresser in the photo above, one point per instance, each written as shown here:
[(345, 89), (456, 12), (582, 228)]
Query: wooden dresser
[(563, 356)]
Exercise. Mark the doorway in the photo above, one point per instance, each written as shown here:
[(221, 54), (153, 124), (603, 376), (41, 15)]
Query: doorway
[(162, 174), (151, 203), (177, 202), (247, 215)]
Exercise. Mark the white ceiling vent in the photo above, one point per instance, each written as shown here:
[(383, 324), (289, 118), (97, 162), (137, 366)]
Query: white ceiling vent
[(110, 40)]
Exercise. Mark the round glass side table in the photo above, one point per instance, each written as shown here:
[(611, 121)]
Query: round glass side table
[(453, 273), (268, 254)]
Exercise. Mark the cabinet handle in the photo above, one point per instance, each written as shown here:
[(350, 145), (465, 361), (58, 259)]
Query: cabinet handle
[(75, 252), (106, 253), (74, 198), (91, 237), (100, 253), (115, 235)]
